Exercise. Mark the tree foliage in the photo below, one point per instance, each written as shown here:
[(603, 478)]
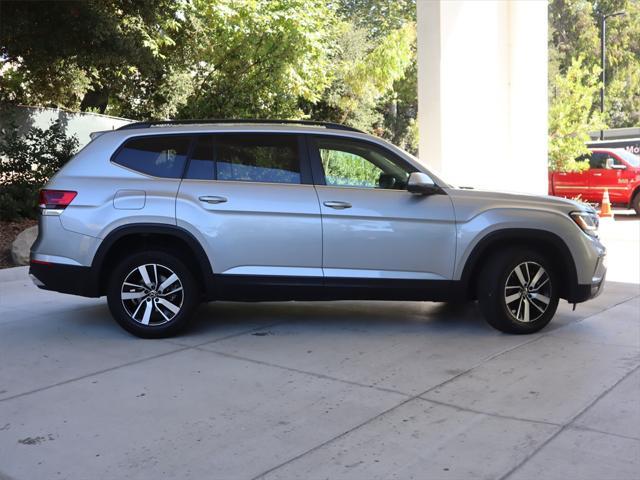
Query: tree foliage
[(27, 161), (572, 116)]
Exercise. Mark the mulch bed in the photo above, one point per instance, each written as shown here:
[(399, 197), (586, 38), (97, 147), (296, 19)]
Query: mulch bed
[(8, 233)]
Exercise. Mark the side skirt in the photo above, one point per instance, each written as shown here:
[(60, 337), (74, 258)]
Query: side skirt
[(257, 288)]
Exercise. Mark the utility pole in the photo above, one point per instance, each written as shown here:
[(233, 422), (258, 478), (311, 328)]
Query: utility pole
[(603, 58)]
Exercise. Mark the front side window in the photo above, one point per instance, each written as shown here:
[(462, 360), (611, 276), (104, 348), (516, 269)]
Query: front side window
[(598, 160), (349, 163), (158, 155), (258, 158)]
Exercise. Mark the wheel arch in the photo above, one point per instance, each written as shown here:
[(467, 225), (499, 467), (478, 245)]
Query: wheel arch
[(129, 238), (547, 243)]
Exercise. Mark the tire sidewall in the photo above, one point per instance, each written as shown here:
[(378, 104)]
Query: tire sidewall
[(176, 324)]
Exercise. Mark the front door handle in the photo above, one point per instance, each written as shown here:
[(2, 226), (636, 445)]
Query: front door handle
[(337, 205), (212, 199), (597, 174)]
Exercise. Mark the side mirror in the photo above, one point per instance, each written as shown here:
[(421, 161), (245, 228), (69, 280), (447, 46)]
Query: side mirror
[(618, 166), (422, 184)]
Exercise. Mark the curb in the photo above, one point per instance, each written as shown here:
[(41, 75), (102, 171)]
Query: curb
[(14, 273)]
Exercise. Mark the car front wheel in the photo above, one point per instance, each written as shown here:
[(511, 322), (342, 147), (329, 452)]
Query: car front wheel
[(152, 294), (518, 291)]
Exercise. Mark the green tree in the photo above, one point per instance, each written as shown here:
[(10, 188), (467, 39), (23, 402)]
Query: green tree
[(29, 159), (257, 58), (574, 30), (572, 115), (113, 56)]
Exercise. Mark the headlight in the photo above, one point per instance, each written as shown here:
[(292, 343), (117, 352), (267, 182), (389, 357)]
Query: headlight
[(587, 221)]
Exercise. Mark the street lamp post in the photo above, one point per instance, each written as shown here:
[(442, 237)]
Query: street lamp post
[(603, 57)]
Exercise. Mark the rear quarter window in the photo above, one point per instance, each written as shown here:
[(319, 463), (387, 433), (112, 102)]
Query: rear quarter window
[(159, 155)]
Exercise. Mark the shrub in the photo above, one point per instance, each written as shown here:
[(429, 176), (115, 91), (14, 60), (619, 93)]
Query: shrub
[(27, 161)]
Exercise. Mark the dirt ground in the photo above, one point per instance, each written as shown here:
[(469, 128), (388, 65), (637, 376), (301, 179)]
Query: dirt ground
[(9, 230)]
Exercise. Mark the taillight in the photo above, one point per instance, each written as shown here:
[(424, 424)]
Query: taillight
[(53, 202)]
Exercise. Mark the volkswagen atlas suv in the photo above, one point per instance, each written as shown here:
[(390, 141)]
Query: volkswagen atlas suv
[(159, 217)]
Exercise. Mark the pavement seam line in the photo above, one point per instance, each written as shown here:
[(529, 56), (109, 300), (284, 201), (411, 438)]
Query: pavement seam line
[(98, 372), (381, 414), (304, 372), (595, 430), (420, 396), (568, 424), (496, 415)]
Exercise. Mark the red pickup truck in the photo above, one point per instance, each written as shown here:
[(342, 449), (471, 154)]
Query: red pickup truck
[(615, 169)]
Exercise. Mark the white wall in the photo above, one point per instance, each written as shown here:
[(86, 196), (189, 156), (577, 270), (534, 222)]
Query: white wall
[(79, 124), (482, 91)]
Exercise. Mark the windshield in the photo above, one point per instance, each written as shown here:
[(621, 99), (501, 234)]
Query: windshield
[(630, 158)]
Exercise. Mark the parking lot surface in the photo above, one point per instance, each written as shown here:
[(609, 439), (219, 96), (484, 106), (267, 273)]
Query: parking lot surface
[(356, 390)]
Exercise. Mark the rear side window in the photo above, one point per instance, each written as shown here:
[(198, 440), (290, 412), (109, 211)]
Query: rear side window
[(258, 158), (160, 156)]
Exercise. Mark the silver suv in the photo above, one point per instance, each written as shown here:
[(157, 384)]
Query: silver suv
[(160, 216)]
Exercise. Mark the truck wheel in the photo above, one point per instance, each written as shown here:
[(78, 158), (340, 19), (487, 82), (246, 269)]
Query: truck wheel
[(152, 294), (518, 291), (635, 203)]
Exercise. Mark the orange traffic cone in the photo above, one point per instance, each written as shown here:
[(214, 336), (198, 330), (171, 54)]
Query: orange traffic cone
[(605, 208)]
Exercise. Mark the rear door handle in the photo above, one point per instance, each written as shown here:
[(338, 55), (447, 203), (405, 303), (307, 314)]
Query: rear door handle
[(337, 205), (212, 199)]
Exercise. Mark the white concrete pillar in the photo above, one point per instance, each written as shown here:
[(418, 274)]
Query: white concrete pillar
[(482, 92)]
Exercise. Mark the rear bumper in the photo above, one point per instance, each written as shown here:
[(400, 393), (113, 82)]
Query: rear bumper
[(72, 279)]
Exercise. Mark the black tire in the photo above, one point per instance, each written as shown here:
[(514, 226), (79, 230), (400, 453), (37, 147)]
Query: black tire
[(162, 320), (635, 203), (498, 282)]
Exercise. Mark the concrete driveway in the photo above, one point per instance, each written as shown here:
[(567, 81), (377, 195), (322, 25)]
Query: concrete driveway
[(355, 390)]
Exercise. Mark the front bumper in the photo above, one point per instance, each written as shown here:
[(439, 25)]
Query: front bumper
[(72, 279), (586, 292)]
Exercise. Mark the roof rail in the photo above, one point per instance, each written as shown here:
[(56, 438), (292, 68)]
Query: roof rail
[(159, 123)]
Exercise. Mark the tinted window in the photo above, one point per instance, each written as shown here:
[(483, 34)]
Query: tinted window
[(598, 160), (356, 164), (160, 156), (258, 158), (201, 165)]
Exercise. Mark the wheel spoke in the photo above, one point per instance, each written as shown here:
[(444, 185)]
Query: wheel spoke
[(133, 315), (145, 275), (133, 295), (512, 298), (179, 289), (155, 305), (135, 285), (537, 306), (541, 285), (518, 271), (537, 277), (542, 298), (174, 308), (167, 282), (147, 312), (526, 269), (526, 309)]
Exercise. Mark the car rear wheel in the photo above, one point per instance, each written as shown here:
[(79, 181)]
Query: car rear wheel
[(152, 294), (518, 291)]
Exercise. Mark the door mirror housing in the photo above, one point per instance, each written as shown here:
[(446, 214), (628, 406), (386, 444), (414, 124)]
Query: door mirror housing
[(422, 184)]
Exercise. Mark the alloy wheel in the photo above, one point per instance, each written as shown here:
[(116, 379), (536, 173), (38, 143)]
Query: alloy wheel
[(152, 294), (527, 292)]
